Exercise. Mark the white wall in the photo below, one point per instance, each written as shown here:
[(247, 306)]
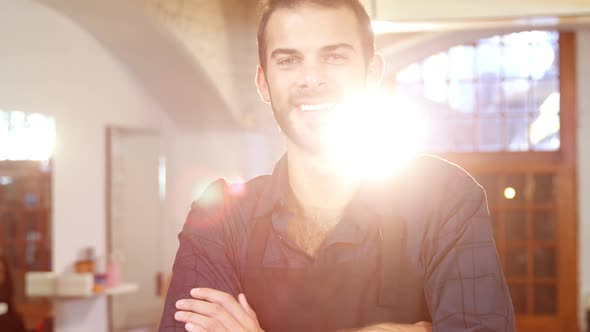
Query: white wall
[(583, 61), (50, 66)]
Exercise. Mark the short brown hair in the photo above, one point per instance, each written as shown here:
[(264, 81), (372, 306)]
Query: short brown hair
[(267, 7)]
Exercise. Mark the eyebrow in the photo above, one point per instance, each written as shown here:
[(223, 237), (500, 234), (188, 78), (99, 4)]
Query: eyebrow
[(334, 47), (283, 51), (327, 48)]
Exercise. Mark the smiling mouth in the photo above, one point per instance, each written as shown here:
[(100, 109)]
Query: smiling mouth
[(316, 107)]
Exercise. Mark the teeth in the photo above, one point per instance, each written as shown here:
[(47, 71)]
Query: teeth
[(317, 107)]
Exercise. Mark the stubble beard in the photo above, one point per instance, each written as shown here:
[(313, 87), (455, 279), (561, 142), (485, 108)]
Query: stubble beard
[(309, 144)]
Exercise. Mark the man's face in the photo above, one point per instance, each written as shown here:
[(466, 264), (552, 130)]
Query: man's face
[(314, 61)]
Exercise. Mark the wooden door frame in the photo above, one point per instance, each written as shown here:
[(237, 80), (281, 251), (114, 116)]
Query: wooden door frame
[(564, 164), (109, 132)]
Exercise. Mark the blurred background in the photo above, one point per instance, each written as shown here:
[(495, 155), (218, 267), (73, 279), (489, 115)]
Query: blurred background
[(115, 115)]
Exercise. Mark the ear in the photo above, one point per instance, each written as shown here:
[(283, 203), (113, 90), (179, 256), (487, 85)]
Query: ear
[(375, 70), (262, 85)]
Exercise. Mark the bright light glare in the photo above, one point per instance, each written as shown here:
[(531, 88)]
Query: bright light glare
[(5, 180), (509, 193), (162, 177), (547, 123), (26, 137), (373, 136)]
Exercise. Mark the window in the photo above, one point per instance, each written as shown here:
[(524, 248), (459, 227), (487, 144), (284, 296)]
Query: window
[(26, 136), (497, 94)]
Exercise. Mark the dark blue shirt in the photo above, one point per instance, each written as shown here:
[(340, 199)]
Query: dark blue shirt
[(448, 238)]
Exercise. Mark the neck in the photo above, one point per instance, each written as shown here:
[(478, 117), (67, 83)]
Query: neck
[(321, 191)]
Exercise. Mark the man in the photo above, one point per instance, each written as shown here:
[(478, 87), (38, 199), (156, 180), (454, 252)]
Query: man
[(306, 249)]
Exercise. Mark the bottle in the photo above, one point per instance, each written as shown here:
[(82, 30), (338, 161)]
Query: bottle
[(86, 263), (113, 274), (100, 275)]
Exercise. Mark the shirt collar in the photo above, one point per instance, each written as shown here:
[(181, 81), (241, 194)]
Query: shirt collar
[(368, 203), (274, 192)]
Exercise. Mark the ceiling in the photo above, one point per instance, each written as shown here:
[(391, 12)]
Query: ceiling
[(161, 64), (207, 84), (469, 10)]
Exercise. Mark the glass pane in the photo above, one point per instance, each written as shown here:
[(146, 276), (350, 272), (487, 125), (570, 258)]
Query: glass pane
[(543, 188), (462, 97), (518, 295), (462, 63), (553, 71), (489, 130), (545, 300), (544, 262), (545, 124), (517, 133), (436, 67), (516, 96), (462, 134), (517, 183), (552, 36), (516, 262), (436, 91), (516, 225), (488, 61), (543, 92), (544, 226), (516, 57), (489, 97), (435, 75), (544, 62)]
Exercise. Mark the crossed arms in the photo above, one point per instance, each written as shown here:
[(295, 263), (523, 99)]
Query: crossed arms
[(215, 311)]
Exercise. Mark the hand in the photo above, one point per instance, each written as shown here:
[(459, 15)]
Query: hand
[(425, 326), (391, 327), (211, 310)]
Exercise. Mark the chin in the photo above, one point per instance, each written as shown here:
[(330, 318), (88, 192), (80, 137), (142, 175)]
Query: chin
[(311, 146)]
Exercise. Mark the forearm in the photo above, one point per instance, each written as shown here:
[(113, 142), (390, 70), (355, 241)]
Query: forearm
[(392, 327)]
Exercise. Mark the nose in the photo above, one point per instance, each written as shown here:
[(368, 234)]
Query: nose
[(312, 75)]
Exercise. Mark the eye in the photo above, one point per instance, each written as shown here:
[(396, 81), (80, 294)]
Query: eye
[(287, 61), (335, 58)]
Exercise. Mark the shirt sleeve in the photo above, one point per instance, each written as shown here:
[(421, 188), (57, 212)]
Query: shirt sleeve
[(464, 286), (204, 257)]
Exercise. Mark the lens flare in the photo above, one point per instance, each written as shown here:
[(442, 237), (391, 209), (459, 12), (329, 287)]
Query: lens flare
[(373, 136)]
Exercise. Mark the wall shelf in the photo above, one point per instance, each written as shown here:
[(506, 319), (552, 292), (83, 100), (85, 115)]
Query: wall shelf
[(121, 289)]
